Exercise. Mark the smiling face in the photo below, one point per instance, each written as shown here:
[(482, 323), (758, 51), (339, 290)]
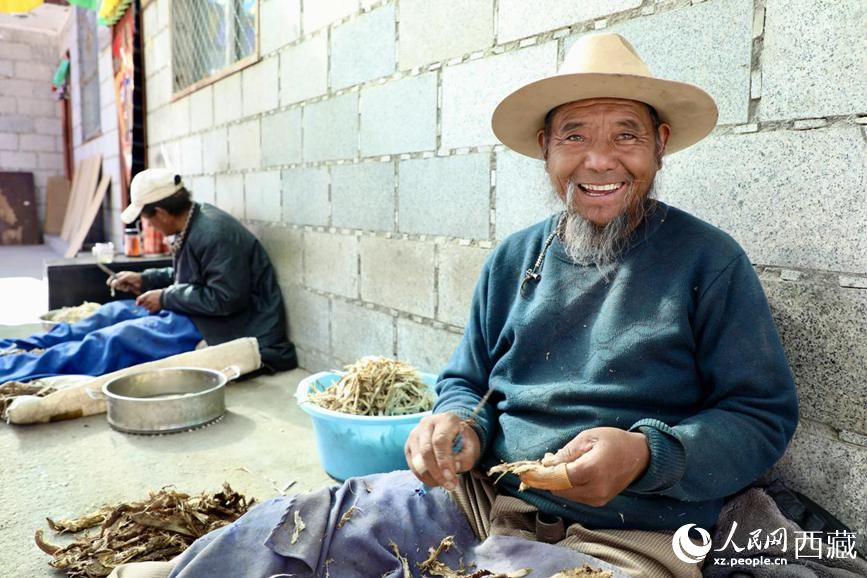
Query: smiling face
[(608, 149)]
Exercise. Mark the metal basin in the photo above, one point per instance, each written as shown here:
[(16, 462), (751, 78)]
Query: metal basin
[(166, 400)]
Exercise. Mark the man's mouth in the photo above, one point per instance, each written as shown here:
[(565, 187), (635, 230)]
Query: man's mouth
[(601, 190)]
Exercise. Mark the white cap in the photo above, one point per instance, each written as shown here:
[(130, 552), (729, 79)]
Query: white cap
[(150, 186)]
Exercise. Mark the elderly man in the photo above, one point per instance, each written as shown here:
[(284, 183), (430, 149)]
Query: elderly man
[(627, 339), (624, 336), (222, 278)]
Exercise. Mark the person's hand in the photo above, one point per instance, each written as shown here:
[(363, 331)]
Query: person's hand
[(150, 300), (127, 281), (601, 462), (429, 450)]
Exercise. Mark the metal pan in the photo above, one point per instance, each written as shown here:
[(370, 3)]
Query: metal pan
[(166, 400)]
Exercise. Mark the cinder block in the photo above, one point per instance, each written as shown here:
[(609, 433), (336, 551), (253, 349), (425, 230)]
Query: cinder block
[(244, 149), (227, 99), (525, 194), (724, 74), (281, 138), (8, 141), (472, 90), (33, 71), (285, 248), (357, 332), (19, 87), (425, 348), (759, 187), (204, 189), (260, 86), (49, 126), (202, 109), (162, 51), (399, 116), (215, 151), (821, 325), (446, 196), (363, 48), (15, 51), (362, 196), (398, 274), (304, 70), (331, 129), (7, 68), (150, 23), (159, 90), (262, 195), (230, 194), (422, 22), (305, 196), (280, 23), (331, 263), (308, 319), (8, 105), (813, 60), (319, 14), (458, 273), (191, 155), (518, 19), (163, 10), (179, 116), (830, 472), (17, 160), (51, 161)]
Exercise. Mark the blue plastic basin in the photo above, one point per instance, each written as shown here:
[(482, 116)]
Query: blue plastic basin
[(357, 445)]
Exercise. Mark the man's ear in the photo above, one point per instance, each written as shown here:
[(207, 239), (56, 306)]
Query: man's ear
[(543, 146), (663, 135)]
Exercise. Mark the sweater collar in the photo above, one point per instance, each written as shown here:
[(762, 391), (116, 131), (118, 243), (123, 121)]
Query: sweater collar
[(641, 234)]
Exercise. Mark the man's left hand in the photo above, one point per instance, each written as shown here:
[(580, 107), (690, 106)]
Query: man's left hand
[(601, 462), (150, 300)]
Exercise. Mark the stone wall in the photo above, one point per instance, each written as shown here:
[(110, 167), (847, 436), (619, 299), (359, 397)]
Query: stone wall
[(359, 150), (30, 126)]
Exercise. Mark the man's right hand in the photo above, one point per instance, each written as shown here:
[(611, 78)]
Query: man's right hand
[(429, 450), (127, 281)]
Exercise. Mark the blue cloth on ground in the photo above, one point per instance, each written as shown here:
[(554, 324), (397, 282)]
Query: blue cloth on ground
[(118, 335), (389, 509)]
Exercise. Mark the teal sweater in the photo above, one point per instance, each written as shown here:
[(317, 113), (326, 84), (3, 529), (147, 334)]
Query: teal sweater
[(679, 344)]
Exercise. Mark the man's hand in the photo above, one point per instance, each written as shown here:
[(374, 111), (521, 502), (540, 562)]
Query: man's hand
[(127, 281), (150, 300), (429, 450), (601, 463)]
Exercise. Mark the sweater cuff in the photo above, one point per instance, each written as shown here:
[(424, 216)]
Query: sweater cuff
[(477, 425), (667, 458)]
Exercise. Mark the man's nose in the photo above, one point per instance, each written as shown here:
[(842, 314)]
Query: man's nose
[(600, 158)]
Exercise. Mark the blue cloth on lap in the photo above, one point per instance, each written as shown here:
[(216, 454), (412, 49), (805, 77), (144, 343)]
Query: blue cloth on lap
[(120, 334), (259, 544)]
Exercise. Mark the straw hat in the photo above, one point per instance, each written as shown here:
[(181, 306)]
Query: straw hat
[(150, 186), (603, 66)]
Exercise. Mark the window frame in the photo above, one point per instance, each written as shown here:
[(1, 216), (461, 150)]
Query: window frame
[(250, 60)]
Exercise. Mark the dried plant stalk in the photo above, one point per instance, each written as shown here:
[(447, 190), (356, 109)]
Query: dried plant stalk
[(156, 529), (376, 386), (534, 475), (584, 571)]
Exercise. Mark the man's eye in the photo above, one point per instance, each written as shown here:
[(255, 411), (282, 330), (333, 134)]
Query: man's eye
[(575, 137), (626, 136)]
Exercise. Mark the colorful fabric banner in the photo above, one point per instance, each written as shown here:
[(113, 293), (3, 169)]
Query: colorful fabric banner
[(18, 6)]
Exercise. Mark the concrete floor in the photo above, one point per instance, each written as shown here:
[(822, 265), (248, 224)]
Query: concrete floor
[(70, 468), (67, 469)]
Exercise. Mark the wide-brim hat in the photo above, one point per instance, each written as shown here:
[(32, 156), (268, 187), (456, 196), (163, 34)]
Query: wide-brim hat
[(150, 186), (603, 66)]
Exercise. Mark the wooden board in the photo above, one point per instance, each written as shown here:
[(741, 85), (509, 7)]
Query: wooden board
[(87, 217), (56, 200), (81, 196), (73, 195), (19, 224)]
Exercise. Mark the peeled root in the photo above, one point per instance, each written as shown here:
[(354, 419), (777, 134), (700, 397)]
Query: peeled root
[(534, 475)]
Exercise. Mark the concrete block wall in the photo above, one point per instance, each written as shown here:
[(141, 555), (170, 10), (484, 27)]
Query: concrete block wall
[(371, 174), (30, 124)]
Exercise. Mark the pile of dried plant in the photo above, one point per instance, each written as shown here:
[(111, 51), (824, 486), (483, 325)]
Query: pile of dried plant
[(12, 389), (376, 386), (72, 314), (156, 529)]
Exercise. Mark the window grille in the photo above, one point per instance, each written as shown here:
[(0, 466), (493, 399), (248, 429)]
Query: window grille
[(211, 38), (88, 64)]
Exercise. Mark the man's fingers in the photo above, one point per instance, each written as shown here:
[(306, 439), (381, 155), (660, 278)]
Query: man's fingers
[(470, 450), (443, 439)]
